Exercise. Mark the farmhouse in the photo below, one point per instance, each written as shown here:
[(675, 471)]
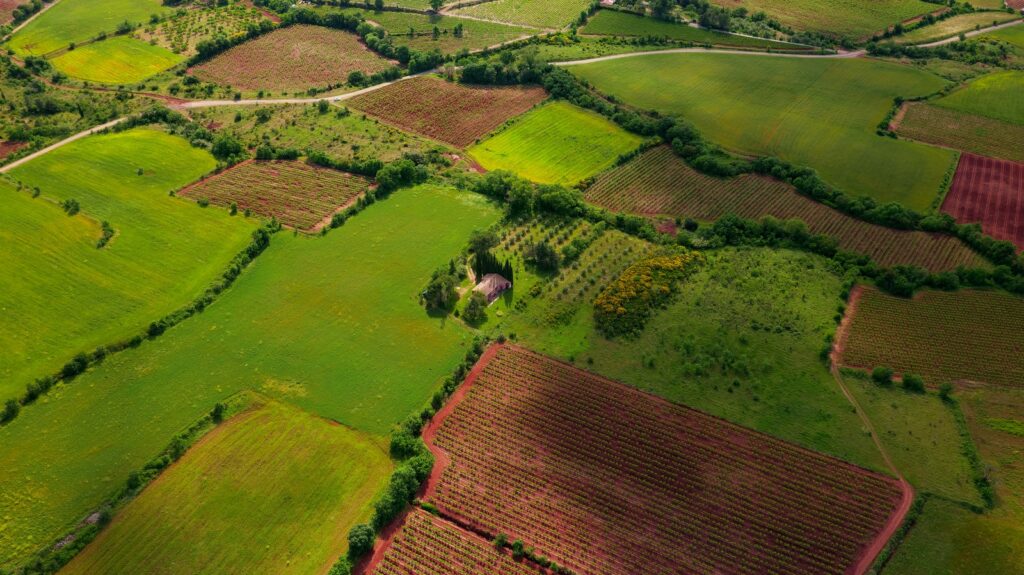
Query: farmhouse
[(492, 286)]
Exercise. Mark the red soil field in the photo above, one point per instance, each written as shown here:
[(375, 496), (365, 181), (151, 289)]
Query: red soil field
[(661, 183), (608, 480), (299, 195), (428, 545), (446, 111), (989, 192), (8, 148), (297, 57)]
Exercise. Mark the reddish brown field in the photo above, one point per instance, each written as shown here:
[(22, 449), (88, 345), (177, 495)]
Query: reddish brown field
[(989, 192), (297, 194), (446, 111), (7, 9), (607, 480), (8, 148), (293, 58), (428, 545), (661, 183)]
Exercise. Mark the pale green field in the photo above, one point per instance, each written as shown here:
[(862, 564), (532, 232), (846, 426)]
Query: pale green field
[(68, 296), (1014, 35), (952, 26), (316, 321), (273, 490), (79, 20), (615, 23), (539, 13), (118, 60), (557, 143), (854, 18), (999, 95), (817, 113), (920, 434)]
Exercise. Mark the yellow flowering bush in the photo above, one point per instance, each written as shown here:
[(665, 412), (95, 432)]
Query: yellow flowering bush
[(625, 305)]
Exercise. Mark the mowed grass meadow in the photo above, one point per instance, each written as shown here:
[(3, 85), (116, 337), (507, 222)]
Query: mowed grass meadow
[(273, 490), (615, 23), (117, 60), (821, 113), (80, 20), (557, 143), (316, 321), (68, 296)]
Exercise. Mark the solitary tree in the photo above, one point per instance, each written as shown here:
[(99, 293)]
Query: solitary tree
[(476, 310), (360, 540), (435, 5)]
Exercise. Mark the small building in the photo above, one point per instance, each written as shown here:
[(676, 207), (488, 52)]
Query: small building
[(608, 3), (492, 286)]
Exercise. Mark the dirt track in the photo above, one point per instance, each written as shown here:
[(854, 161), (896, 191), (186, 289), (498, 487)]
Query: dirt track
[(61, 143), (896, 519)]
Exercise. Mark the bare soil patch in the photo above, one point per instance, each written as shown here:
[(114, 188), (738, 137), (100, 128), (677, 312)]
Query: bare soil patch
[(452, 113), (297, 57), (298, 194)]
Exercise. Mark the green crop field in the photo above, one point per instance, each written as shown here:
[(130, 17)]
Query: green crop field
[(537, 13), (742, 342), (80, 20), (853, 18), (615, 23), (69, 296), (233, 504), (317, 322), (963, 131), (557, 143), (417, 31), (118, 60), (818, 113), (952, 26), (997, 96), (943, 336)]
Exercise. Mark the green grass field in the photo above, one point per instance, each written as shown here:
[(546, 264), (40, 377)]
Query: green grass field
[(316, 321), (118, 60), (1014, 35), (818, 113), (538, 13), (951, 540), (79, 20), (920, 434), (996, 96), (615, 23), (476, 34), (233, 504), (557, 143), (741, 342), (68, 296), (952, 26), (853, 18)]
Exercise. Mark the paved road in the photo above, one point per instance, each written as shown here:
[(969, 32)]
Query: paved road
[(840, 55), (971, 34), (63, 142)]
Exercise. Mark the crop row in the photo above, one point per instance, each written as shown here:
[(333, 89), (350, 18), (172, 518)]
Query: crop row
[(660, 183), (943, 336), (446, 111), (990, 192), (540, 13), (297, 194), (963, 131), (426, 545), (607, 480)]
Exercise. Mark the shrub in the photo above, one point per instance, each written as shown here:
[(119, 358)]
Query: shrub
[(476, 310), (360, 540), (623, 308), (11, 409), (882, 375), (913, 382)]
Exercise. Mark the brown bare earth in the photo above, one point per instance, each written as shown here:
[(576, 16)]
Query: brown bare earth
[(446, 111), (7, 9), (298, 194), (293, 58), (8, 148), (607, 480), (989, 192)]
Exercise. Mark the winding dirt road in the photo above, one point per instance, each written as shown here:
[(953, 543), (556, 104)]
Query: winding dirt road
[(61, 143)]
